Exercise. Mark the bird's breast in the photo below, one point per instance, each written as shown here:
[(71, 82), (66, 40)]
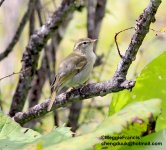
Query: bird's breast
[(82, 76)]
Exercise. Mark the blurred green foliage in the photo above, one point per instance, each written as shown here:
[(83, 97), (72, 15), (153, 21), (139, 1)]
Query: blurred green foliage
[(150, 84)]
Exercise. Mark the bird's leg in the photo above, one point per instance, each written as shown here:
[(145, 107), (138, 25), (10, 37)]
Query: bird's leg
[(81, 86), (74, 88)]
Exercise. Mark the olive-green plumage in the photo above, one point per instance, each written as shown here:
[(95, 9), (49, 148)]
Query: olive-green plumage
[(75, 69)]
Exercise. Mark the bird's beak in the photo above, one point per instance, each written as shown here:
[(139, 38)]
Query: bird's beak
[(94, 40)]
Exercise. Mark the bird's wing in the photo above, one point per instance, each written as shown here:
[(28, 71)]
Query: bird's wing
[(70, 66)]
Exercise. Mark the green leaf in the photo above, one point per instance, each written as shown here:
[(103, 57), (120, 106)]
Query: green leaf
[(150, 84), (54, 137), (14, 137), (115, 124)]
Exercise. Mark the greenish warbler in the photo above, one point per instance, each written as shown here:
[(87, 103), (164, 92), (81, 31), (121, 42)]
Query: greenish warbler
[(75, 69)]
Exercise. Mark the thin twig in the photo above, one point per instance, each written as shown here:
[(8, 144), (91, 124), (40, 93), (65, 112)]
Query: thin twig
[(14, 73), (115, 37)]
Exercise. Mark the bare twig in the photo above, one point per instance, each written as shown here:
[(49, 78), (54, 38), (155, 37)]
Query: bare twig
[(14, 73), (116, 42), (19, 30), (141, 29), (117, 83)]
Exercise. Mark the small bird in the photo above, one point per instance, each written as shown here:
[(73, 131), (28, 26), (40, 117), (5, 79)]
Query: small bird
[(75, 69)]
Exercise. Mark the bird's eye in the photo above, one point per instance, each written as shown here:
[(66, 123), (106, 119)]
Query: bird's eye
[(84, 43)]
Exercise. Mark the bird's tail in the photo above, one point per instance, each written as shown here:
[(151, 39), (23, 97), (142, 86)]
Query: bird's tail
[(52, 99)]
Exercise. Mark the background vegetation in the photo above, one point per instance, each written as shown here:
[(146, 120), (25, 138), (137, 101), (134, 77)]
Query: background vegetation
[(138, 112)]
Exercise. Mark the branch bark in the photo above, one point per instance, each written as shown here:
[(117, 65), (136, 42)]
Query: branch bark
[(117, 83), (62, 100), (91, 8), (96, 11), (47, 69), (31, 54)]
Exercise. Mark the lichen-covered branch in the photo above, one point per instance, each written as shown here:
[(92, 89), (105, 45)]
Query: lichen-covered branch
[(31, 54), (47, 68), (117, 83), (62, 100)]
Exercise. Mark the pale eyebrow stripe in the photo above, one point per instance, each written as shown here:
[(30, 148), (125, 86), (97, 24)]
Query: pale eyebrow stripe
[(81, 43)]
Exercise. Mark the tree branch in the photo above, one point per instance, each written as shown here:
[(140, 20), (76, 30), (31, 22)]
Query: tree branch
[(19, 30), (117, 83), (116, 41), (1, 2), (62, 100), (142, 28), (31, 54), (91, 8), (14, 73), (95, 15)]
